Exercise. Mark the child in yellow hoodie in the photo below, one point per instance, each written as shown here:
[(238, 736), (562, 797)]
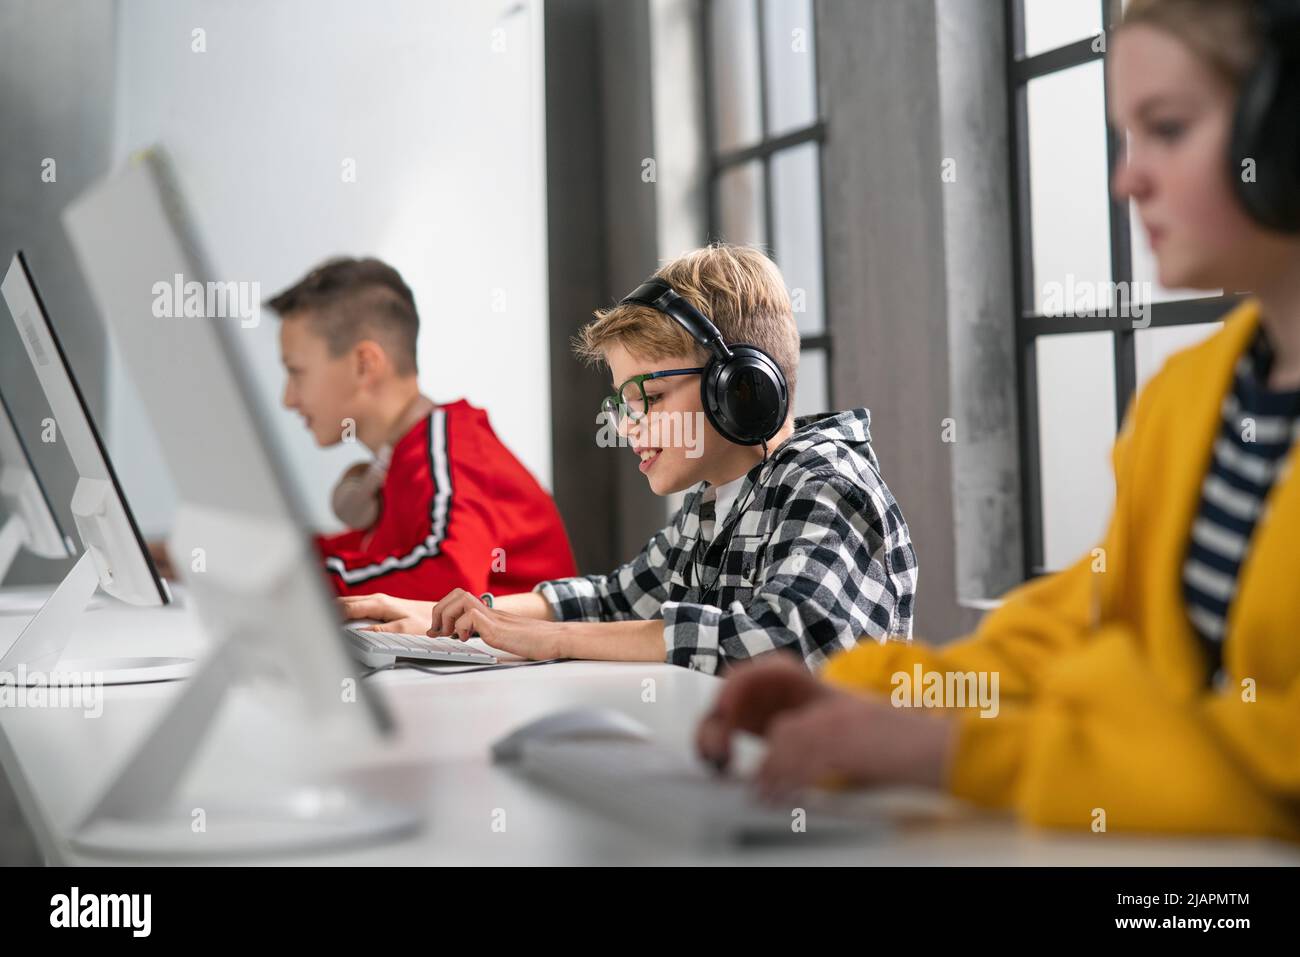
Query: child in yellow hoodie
[(1154, 685)]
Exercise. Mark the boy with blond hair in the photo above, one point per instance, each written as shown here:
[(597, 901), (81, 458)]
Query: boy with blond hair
[(788, 538)]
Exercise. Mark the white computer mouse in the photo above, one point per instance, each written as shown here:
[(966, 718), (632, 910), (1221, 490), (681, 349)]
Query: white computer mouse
[(573, 725)]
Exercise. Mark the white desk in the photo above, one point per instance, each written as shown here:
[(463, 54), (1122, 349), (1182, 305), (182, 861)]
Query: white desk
[(447, 725)]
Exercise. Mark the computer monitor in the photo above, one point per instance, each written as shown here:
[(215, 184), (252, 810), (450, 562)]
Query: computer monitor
[(29, 521), (115, 557), (251, 574)]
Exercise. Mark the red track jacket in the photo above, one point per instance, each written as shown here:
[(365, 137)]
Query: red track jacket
[(458, 511)]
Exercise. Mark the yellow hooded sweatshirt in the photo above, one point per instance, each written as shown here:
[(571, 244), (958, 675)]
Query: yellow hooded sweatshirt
[(1104, 702)]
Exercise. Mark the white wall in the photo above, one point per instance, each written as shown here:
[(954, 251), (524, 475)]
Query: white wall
[(439, 103)]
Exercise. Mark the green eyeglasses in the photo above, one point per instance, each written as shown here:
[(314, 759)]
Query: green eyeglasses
[(628, 405)]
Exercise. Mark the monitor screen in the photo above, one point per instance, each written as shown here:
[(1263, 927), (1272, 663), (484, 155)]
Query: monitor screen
[(100, 508)]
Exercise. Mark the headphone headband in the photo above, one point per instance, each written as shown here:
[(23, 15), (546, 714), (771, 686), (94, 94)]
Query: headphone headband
[(657, 294)]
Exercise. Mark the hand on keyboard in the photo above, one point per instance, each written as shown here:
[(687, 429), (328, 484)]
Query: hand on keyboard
[(401, 615), (381, 647), (464, 615)]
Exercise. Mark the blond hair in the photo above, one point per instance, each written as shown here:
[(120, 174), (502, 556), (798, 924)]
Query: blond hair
[(738, 287), (1222, 33)]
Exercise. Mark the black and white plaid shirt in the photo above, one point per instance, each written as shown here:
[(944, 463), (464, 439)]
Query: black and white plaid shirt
[(815, 557)]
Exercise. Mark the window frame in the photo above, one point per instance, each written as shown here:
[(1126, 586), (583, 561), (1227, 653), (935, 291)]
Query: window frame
[(1030, 325), (764, 150)]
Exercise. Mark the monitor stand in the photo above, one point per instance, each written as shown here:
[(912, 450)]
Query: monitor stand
[(35, 657), (139, 814)]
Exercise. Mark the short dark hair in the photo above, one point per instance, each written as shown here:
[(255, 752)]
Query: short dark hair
[(353, 299)]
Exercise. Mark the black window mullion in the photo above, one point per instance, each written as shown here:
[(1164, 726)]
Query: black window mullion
[(1121, 252), (1160, 315), (818, 99), (1054, 61), (1015, 33), (761, 34), (1031, 491), (710, 121), (1023, 299), (764, 152), (764, 148)]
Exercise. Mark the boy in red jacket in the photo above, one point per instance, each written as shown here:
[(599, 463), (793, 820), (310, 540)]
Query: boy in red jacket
[(442, 502)]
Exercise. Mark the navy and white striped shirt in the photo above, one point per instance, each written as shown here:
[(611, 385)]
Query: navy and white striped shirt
[(1257, 430)]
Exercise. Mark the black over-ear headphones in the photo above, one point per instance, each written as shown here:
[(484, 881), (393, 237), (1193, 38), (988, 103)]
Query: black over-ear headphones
[(1266, 128), (743, 390)]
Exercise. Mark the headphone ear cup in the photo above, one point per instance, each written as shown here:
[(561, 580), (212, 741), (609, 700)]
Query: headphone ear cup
[(746, 398), (356, 497), (1266, 142), (709, 399)]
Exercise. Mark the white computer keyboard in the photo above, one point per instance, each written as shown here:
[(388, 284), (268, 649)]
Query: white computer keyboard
[(378, 648), (644, 784)]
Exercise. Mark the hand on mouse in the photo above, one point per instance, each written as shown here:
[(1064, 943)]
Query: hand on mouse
[(818, 734), (754, 693), (843, 738)]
